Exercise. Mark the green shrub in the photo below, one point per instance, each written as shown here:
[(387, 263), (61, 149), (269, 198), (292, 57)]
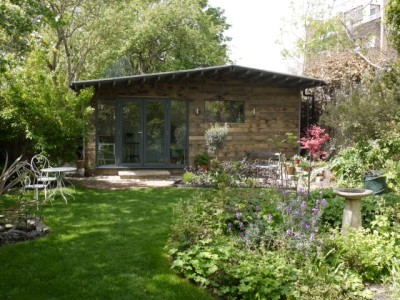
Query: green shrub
[(319, 280), (351, 163), (394, 280), (233, 273), (367, 252), (245, 243), (188, 177), (202, 159)]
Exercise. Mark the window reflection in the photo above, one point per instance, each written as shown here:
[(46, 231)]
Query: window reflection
[(105, 133), (224, 111), (178, 135)]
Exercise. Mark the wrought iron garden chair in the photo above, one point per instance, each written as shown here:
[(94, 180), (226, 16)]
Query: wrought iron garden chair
[(268, 166), (38, 163), (29, 181)]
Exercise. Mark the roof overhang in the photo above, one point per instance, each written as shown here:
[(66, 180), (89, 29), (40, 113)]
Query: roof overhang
[(231, 71)]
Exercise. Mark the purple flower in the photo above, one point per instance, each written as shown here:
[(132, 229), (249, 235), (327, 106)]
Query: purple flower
[(312, 237), (305, 225), (269, 218), (238, 215), (258, 208), (317, 202), (289, 232), (324, 202), (315, 211), (230, 225), (241, 226)]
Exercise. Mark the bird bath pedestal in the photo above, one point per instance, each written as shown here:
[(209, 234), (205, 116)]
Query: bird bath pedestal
[(352, 209)]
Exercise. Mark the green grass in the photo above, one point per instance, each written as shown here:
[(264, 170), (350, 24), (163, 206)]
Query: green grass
[(102, 245)]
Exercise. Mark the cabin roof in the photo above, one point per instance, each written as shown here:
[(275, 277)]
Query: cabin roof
[(232, 71)]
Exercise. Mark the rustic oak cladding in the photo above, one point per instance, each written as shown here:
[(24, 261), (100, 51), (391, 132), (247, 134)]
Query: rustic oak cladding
[(276, 111)]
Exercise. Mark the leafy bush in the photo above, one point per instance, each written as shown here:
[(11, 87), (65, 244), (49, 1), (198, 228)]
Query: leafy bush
[(226, 174), (216, 138), (188, 177), (261, 243), (368, 111), (8, 174), (234, 241), (234, 273), (370, 207), (202, 159), (353, 162), (369, 253)]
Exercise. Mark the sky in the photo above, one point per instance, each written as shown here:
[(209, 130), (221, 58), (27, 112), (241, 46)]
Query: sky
[(255, 29)]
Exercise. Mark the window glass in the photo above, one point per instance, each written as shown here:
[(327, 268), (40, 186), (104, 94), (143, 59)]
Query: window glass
[(178, 135), (105, 133), (224, 111)]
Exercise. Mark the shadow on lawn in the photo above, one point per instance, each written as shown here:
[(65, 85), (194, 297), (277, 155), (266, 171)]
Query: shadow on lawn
[(103, 245)]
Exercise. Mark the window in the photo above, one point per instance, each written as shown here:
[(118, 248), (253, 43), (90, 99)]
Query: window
[(374, 9), (224, 111), (105, 133), (354, 16)]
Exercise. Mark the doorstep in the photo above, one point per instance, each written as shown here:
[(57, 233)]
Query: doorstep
[(144, 174)]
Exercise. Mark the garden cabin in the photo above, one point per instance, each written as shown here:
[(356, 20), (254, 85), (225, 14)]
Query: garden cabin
[(157, 121)]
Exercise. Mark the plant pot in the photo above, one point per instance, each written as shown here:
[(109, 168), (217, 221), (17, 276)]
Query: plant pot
[(80, 165), (203, 167), (290, 170)]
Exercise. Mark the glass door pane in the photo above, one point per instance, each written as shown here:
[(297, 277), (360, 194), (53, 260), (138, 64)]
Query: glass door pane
[(106, 133), (178, 136), (131, 132), (154, 150)]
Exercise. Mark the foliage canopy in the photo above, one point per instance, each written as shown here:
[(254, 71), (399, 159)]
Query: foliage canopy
[(45, 45)]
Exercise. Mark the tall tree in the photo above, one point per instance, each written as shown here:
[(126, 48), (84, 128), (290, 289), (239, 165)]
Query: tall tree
[(19, 21), (393, 22), (95, 38), (169, 35), (80, 39)]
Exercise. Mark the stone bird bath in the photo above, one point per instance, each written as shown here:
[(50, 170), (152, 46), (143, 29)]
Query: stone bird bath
[(352, 209)]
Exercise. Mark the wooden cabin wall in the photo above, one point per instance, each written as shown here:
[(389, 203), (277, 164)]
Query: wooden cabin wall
[(277, 111)]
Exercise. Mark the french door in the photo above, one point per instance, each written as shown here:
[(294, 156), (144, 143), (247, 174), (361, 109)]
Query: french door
[(147, 133)]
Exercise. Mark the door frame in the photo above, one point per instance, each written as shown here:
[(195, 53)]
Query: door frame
[(119, 103)]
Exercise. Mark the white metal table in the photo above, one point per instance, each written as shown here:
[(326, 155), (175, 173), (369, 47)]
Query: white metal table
[(59, 173)]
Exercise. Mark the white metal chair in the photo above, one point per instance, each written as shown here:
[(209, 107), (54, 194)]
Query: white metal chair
[(39, 162), (268, 166), (106, 153), (29, 182)]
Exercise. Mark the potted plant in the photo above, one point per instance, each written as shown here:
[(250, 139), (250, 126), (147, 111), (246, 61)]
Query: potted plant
[(202, 160), (296, 159), (216, 138), (304, 165), (290, 168)]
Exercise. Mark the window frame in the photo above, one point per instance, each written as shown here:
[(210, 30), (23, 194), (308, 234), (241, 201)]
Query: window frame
[(215, 119)]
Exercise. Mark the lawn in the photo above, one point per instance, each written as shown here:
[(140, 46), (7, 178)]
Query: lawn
[(102, 245)]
